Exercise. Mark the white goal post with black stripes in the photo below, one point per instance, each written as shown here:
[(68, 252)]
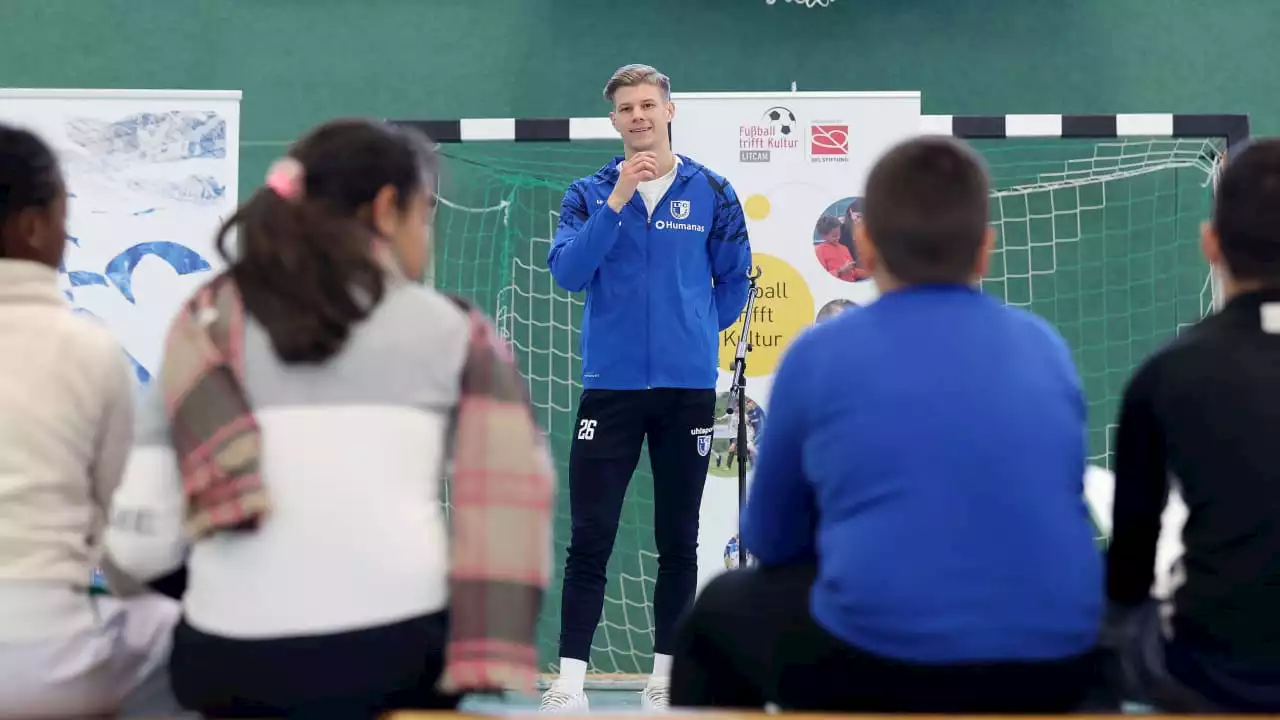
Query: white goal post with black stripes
[(1230, 128)]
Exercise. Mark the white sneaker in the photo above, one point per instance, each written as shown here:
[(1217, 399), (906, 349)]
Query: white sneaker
[(656, 695), (562, 700)]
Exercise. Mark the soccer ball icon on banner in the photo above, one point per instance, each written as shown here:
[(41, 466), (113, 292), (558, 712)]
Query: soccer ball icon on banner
[(782, 119)]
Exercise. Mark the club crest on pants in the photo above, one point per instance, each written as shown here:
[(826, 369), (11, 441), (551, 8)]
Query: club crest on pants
[(704, 444)]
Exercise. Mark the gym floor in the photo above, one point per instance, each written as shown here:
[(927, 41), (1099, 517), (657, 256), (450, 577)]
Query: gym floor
[(615, 701), (601, 700)]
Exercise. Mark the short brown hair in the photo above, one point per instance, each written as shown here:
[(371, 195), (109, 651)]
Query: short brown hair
[(632, 75), (926, 210), (826, 224)]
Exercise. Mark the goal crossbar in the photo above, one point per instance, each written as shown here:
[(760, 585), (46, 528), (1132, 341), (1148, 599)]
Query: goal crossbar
[(1233, 128)]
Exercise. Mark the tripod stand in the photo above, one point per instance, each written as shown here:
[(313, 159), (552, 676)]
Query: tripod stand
[(738, 404)]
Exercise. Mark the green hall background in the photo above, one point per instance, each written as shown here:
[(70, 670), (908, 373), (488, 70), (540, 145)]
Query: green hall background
[(301, 61)]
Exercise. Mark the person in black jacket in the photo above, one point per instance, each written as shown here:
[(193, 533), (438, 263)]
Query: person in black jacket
[(1203, 413)]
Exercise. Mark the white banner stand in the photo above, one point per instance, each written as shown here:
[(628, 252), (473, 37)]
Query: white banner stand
[(792, 157), (151, 175)]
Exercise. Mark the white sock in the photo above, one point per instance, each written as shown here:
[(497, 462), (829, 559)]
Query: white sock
[(661, 668), (573, 675)]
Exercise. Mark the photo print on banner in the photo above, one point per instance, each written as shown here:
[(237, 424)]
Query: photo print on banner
[(834, 308), (833, 245), (725, 453)]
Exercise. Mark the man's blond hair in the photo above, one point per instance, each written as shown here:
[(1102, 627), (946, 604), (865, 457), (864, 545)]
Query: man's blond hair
[(632, 75)]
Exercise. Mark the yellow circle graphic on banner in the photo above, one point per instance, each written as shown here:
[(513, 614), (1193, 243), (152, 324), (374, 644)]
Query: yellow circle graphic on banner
[(784, 307), (756, 207)]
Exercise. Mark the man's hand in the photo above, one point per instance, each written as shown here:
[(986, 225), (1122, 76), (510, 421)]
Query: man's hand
[(642, 167)]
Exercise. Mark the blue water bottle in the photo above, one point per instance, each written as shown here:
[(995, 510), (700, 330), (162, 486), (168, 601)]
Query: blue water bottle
[(98, 582)]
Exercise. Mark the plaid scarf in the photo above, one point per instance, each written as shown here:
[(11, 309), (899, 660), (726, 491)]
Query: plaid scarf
[(502, 482)]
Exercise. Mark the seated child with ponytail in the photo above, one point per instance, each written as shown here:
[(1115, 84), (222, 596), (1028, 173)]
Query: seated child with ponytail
[(311, 399)]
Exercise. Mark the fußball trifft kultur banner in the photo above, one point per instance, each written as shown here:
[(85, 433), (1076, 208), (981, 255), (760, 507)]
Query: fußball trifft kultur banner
[(798, 162)]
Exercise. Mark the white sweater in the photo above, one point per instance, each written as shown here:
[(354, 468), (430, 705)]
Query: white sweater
[(352, 456), (66, 425)]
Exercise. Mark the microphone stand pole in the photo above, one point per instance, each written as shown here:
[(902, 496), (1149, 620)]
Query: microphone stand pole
[(738, 404)]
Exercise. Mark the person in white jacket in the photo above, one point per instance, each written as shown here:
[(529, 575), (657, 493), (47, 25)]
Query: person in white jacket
[(66, 426)]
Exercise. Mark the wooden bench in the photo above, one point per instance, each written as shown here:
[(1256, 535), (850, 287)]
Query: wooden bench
[(736, 715)]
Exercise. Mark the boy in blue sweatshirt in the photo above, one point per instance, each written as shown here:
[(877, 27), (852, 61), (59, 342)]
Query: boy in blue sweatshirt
[(659, 244), (923, 543)]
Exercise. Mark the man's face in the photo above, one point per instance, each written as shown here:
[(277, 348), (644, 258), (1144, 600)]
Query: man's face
[(641, 115), (832, 236)]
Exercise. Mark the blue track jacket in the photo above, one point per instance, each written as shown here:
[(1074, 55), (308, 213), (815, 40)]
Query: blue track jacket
[(659, 289)]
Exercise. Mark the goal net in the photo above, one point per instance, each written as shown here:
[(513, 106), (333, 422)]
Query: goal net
[(1098, 237)]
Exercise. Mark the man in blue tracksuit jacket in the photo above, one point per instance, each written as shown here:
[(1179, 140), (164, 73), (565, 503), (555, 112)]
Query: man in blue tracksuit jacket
[(659, 244)]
